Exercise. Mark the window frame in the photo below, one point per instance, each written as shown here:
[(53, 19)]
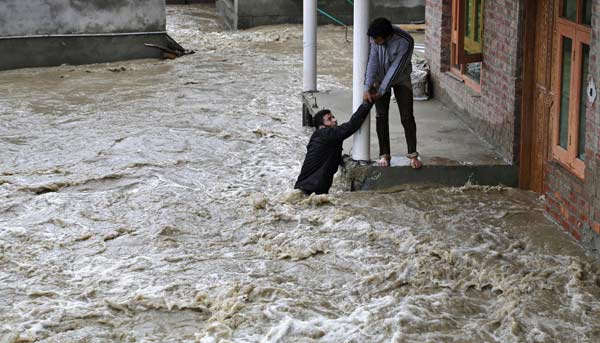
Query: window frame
[(458, 55), (580, 35)]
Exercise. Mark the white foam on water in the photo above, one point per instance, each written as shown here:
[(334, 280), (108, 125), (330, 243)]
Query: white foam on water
[(153, 201)]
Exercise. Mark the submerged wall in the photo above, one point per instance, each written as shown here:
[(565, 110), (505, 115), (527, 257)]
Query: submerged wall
[(52, 32), (241, 14)]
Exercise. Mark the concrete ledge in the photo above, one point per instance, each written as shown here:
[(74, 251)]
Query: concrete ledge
[(368, 177), (48, 51)]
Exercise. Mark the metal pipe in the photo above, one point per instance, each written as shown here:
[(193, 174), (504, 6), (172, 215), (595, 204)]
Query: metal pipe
[(361, 147), (310, 45), (331, 17)]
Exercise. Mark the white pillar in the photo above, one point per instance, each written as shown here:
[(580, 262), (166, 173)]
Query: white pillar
[(361, 146), (310, 45)]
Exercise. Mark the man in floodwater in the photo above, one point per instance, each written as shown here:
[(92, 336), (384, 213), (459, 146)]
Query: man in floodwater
[(324, 150), (389, 68)]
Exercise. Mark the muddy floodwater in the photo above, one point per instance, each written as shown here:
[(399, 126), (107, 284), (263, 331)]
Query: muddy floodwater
[(153, 201)]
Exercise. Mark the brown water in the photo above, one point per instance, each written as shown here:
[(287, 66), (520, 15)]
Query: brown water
[(154, 203)]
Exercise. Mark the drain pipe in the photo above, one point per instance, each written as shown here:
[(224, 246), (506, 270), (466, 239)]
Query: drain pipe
[(361, 147), (310, 46)]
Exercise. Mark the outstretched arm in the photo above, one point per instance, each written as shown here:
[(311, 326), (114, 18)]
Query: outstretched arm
[(346, 130)]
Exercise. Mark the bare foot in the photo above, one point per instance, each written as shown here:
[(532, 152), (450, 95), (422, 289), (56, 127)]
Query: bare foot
[(384, 161), (415, 163)]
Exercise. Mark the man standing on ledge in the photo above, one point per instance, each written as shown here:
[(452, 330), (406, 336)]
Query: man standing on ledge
[(324, 150), (389, 68)]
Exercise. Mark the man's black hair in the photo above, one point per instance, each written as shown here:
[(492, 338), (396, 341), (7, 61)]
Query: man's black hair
[(318, 118), (380, 27)]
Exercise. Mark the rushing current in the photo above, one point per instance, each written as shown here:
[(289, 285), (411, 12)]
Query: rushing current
[(153, 201)]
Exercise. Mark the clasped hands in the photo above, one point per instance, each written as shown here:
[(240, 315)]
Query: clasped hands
[(371, 96)]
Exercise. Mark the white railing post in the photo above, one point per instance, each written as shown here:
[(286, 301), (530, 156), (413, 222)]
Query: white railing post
[(310, 45), (361, 146)]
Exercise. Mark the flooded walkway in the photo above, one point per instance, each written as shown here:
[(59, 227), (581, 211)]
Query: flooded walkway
[(152, 201)]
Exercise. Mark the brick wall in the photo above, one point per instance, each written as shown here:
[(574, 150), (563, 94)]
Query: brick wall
[(437, 34), (566, 199), (571, 202), (494, 112)]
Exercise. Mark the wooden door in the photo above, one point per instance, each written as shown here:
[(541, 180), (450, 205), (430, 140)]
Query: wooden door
[(538, 96)]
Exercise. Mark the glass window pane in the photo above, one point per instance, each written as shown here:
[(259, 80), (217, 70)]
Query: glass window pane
[(587, 12), (473, 71), (583, 101), (565, 93), (473, 26), (469, 18), (570, 10), (478, 20)]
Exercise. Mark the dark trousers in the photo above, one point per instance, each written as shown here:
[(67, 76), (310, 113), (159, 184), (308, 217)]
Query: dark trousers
[(404, 97)]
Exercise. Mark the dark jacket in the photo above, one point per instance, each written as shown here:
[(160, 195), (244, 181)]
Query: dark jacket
[(324, 153)]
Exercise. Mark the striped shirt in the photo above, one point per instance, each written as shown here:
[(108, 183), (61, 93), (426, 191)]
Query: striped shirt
[(389, 64)]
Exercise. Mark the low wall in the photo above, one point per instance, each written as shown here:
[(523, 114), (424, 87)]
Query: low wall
[(47, 33), (75, 50), (242, 14), (399, 11)]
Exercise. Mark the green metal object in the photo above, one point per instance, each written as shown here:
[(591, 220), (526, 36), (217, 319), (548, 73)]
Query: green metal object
[(331, 17), (336, 20)]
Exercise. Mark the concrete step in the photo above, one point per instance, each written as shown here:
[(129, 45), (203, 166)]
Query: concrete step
[(371, 177)]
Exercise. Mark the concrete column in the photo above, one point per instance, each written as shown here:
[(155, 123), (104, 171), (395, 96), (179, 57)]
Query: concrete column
[(310, 45), (362, 138)]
